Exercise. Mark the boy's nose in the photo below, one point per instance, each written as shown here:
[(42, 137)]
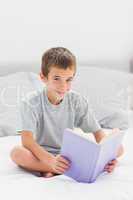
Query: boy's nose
[(63, 90), (63, 87)]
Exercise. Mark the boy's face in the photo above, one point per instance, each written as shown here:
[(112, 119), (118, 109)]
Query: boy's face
[(59, 81)]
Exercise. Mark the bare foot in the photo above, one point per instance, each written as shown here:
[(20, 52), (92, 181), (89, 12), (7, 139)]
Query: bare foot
[(47, 174)]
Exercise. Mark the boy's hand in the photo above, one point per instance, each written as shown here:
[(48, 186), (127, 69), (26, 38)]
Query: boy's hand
[(59, 164), (110, 166)]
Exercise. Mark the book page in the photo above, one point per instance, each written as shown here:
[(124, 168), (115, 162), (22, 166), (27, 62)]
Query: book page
[(89, 136), (109, 136)]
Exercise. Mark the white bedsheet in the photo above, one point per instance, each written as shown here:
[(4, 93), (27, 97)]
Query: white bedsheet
[(16, 183)]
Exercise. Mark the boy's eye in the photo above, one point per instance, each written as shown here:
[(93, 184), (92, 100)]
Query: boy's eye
[(69, 80), (56, 79)]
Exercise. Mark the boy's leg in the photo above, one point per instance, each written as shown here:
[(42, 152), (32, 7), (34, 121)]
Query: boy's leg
[(24, 158)]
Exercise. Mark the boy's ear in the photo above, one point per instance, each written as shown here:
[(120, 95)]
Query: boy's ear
[(43, 78)]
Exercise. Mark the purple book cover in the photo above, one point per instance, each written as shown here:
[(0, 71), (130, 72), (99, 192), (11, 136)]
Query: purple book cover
[(87, 157)]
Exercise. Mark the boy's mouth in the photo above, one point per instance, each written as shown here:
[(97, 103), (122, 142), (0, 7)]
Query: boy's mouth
[(61, 93)]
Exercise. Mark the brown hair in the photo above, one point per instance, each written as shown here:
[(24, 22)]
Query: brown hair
[(59, 57)]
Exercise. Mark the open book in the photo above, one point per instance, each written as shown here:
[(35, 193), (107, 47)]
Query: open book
[(87, 157)]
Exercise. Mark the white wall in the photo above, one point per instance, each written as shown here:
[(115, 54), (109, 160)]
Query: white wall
[(94, 30)]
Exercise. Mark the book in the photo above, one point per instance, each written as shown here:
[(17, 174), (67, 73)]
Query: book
[(87, 157)]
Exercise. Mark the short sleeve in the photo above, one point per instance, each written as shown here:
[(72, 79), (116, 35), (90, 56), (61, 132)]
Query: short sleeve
[(85, 118), (27, 119)]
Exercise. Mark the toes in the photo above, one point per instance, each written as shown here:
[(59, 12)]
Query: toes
[(48, 175)]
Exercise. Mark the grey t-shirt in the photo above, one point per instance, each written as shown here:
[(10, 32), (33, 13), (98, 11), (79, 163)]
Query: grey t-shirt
[(47, 121)]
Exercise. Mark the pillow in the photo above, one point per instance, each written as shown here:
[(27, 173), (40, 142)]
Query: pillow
[(35, 80), (106, 91), (7, 130), (131, 93), (130, 115), (13, 88)]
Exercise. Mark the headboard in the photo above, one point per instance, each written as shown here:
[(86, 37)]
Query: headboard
[(8, 68)]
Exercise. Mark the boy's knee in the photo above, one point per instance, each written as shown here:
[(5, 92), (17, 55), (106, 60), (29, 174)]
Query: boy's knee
[(18, 154), (15, 153)]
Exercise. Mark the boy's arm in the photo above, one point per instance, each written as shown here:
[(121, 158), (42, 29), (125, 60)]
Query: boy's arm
[(39, 152), (55, 164), (100, 134)]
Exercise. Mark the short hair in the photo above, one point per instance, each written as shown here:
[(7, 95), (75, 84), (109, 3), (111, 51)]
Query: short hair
[(59, 57)]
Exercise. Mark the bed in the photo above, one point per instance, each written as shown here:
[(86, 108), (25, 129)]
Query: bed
[(16, 183)]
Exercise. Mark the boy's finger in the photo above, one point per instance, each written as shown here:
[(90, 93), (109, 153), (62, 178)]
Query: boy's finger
[(112, 162), (62, 165), (110, 170), (62, 159), (60, 170), (106, 168)]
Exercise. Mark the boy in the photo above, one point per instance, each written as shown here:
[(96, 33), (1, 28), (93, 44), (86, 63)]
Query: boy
[(44, 117)]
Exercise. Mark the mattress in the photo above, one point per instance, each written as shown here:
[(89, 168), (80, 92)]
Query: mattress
[(16, 183)]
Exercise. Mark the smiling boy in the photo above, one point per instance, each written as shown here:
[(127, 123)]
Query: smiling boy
[(44, 116)]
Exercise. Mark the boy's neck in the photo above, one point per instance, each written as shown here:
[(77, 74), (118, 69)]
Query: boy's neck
[(52, 98)]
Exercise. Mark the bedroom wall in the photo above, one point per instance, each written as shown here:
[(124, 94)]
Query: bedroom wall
[(96, 31)]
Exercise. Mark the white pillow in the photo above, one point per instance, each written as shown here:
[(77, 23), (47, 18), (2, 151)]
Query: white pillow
[(13, 88), (106, 91), (131, 93), (35, 80)]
